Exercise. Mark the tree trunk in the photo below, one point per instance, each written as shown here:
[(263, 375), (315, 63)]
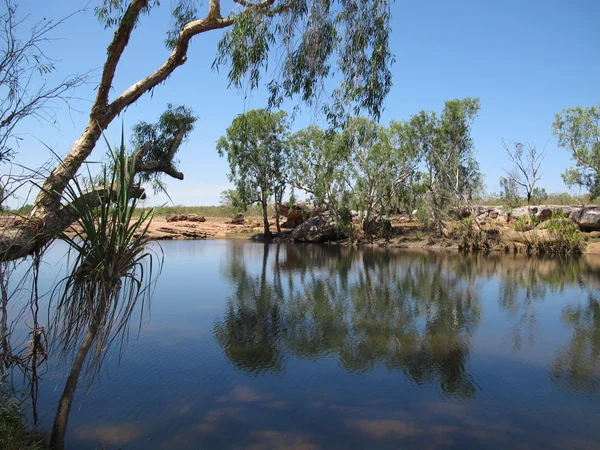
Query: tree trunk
[(59, 428), (263, 205), (277, 219)]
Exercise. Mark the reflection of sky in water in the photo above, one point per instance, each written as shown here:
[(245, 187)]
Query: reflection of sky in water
[(319, 350)]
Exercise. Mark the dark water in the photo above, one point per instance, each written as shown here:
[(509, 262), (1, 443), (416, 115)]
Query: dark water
[(254, 346)]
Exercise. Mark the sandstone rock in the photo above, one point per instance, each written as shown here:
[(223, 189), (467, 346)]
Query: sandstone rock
[(588, 218), (239, 219), (320, 228), (536, 209), (195, 218), (175, 217), (184, 217), (543, 214)]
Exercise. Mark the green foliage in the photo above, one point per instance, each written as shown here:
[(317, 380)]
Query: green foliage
[(524, 223), (230, 198), (539, 196), (509, 192), (256, 148), (318, 165), (452, 174), (15, 432), (112, 268), (380, 163), (578, 130), (312, 40), (562, 237), (161, 141), (205, 211), (472, 239)]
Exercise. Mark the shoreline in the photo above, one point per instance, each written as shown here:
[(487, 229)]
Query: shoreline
[(405, 235)]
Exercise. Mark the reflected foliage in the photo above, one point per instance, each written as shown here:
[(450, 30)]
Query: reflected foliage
[(415, 313), (577, 366)]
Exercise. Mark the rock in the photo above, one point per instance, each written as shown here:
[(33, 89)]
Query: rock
[(536, 209), (184, 218), (587, 218), (379, 226), (195, 218), (543, 214), (239, 219), (320, 228), (175, 217)]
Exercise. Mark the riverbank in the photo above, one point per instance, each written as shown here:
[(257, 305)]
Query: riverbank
[(404, 234)]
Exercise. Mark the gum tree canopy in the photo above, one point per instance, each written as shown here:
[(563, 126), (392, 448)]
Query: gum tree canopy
[(309, 40)]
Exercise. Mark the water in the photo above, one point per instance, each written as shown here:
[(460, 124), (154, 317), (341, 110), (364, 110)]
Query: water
[(314, 347)]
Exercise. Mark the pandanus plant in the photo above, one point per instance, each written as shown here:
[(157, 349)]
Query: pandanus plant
[(111, 274)]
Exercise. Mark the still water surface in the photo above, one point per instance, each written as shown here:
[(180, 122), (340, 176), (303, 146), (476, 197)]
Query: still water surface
[(259, 346)]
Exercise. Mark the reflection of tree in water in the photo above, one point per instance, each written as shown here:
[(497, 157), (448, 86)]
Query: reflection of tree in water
[(368, 307), (577, 366), (250, 332)]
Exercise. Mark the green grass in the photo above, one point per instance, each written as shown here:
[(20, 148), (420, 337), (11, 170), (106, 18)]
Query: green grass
[(15, 432)]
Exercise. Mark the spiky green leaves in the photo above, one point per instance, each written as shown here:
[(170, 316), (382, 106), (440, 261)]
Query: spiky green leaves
[(111, 270)]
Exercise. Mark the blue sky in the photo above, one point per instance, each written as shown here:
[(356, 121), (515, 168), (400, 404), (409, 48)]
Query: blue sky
[(526, 60)]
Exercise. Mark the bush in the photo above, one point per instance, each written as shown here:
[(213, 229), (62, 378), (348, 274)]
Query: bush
[(564, 238), (15, 433)]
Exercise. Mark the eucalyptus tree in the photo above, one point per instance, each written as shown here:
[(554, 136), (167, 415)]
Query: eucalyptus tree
[(578, 130), (256, 149), (318, 165), (307, 42), (380, 163), (451, 172)]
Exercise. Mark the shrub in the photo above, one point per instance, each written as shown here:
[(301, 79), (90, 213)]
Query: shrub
[(15, 433)]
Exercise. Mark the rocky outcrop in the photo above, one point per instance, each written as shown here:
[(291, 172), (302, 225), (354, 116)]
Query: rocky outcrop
[(184, 218), (298, 213), (543, 211), (239, 219), (587, 218), (319, 228)]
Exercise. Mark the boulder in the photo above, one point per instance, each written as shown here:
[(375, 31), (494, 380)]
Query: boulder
[(587, 218), (543, 214), (195, 218), (184, 218), (298, 213), (320, 228), (239, 219), (537, 209), (378, 226), (175, 217)]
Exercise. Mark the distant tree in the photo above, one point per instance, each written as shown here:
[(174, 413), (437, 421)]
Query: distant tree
[(509, 191), (255, 145), (539, 195), (578, 130), (527, 160), (231, 199)]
